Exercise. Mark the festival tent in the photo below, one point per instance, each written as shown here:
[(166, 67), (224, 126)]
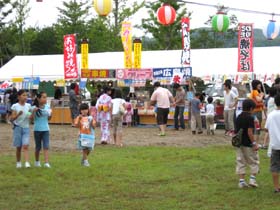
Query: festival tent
[(221, 61)]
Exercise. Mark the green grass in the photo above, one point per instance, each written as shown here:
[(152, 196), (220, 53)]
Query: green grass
[(151, 178)]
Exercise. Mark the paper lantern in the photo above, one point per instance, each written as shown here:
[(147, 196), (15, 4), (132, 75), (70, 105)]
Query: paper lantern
[(103, 7), (271, 30), (220, 22), (166, 14)]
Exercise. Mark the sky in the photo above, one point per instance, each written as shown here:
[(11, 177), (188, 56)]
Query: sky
[(45, 13)]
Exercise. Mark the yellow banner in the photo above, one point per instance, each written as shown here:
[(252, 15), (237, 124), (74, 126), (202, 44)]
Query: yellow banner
[(137, 55), (60, 82), (17, 79), (84, 52), (127, 44)]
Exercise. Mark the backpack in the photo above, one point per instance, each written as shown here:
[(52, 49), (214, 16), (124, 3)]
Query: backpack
[(236, 140)]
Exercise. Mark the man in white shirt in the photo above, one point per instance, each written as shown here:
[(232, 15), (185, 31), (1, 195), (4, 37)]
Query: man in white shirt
[(229, 107), (162, 98), (273, 127), (235, 90)]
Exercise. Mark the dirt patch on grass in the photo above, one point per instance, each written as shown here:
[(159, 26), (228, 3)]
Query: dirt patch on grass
[(63, 137)]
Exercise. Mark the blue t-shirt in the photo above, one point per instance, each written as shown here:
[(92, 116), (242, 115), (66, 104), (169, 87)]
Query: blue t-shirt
[(23, 119), (195, 105), (41, 122)]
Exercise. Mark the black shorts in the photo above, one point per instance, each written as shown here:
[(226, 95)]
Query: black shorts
[(162, 115), (275, 161)]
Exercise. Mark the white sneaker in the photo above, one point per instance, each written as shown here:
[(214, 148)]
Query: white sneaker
[(47, 165), (86, 163), (253, 183), (37, 164), (27, 165), (18, 165), (242, 185)]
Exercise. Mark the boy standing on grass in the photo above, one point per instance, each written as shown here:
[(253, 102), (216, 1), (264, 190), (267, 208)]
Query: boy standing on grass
[(273, 127), (247, 153), (195, 114)]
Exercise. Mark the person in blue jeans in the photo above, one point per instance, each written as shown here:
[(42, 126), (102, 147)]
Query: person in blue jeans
[(41, 115), (21, 113), (179, 106)]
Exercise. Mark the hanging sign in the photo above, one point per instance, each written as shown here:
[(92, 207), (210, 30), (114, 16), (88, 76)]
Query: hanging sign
[(245, 47), (169, 76), (94, 73), (134, 74), (126, 35), (29, 83), (186, 43), (84, 55), (70, 57), (137, 46)]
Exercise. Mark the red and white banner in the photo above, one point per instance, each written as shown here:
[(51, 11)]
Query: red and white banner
[(186, 52), (70, 57), (245, 47)]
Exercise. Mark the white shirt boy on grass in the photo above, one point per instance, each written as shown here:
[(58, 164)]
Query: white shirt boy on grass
[(273, 127)]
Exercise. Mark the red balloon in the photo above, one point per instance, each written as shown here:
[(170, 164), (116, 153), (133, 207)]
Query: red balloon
[(166, 14)]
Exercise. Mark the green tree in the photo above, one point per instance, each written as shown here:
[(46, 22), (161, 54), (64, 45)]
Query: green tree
[(22, 12), (6, 8), (45, 42), (72, 20), (166, 37), (104, 32), (122, 11), (101, 36)]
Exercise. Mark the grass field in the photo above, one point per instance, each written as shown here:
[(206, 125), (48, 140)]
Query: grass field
[(151, 178)]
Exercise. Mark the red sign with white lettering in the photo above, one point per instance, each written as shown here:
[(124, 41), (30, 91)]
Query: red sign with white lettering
[(70, 57)]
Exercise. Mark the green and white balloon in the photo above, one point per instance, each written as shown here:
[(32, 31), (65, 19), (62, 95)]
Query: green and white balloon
[(220, 22)]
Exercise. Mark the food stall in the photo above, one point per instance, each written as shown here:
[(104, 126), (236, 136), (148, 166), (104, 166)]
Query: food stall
[(137, 78)]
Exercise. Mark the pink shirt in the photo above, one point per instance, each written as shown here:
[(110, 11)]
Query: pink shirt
[(161, 96)]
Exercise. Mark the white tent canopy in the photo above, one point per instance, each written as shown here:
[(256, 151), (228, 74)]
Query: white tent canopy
[(203, 61)]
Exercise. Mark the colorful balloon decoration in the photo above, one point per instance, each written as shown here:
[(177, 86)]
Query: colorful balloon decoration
[(103, 7), (166, 14), (220, 22)]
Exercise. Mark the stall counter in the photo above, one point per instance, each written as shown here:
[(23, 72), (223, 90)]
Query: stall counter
[(61, 115)]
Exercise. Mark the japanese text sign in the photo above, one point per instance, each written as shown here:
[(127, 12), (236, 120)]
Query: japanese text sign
[(94, 73), (70, 57), (186, 57), (245, 47)]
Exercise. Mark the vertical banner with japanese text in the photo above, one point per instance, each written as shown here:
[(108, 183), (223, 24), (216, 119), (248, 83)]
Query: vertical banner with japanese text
[(70, 57), (137, 46), (84, 55), (186, 52), (126, 34), (245, 47)]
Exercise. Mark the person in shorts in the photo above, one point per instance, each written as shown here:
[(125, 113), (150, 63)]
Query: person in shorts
[(272, 126), (162, 97), (20, 117), (117, 117), (247, 153)]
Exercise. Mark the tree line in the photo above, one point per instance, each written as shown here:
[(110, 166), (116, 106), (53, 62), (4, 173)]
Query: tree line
[(103, 33)]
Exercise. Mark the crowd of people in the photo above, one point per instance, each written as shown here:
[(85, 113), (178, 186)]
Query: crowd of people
[(110, 110), (249, 120)]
